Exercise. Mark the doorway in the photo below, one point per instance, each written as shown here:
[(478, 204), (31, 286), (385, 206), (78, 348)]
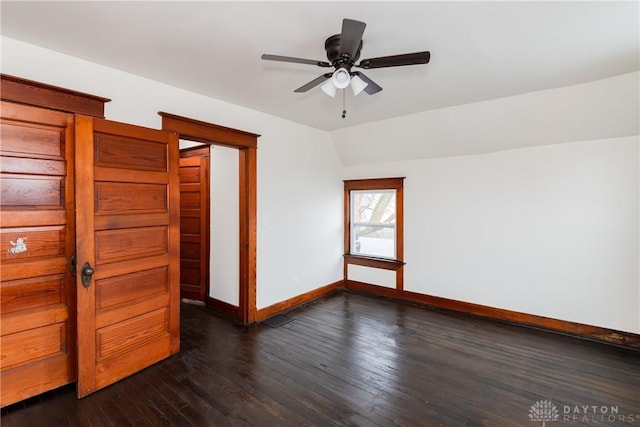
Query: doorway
[(194, 222), (245, 144)]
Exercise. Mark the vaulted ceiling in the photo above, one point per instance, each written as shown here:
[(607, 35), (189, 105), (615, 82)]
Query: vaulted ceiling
[(479, 50)]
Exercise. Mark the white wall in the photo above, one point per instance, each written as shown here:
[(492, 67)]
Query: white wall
[(224, 276), (550, 230), (297, 208), (299, 187), (372, 276), (600, 109)]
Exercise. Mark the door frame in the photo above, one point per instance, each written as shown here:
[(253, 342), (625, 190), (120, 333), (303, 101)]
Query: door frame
[(247, 144)]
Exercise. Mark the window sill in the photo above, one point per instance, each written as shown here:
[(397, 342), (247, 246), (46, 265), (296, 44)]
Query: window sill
[(367, 261)]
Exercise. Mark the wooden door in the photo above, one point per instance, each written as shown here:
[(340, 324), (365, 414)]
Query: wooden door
[(128, 234), (37, 290), (194, 223)]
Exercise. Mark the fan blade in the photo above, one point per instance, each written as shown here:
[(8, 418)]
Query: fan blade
[(313, 83), (372, 87), (295, 60), (395, 60), (351, 36)]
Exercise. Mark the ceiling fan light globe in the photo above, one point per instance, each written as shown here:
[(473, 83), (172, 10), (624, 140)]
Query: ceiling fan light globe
[(358, 85), (328, 88), (341, 78)]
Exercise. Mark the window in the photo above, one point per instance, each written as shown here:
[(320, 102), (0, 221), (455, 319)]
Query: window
[(373, 222)]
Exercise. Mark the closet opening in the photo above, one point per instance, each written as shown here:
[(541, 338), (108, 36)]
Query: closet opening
[(234, 153)]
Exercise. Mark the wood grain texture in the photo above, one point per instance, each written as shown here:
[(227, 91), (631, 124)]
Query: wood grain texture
[(27, 294), (194, 222), (37, 238), (173, 169), (39, 267), (384, 264), (32, 191), (190, 197), (48, 96), (400, 235), (374, 184), (189, 224), (208, 133), (41, 217), (248, 234), (131, 333), (116, 151), (122, 244), (34, 318), (350, 359), (129, 314), (130, 197), (190, 166), (195, 151), (32, 345), (127, 288), (139, 307), (31, 140), (86, 300), (190, 250), (42, 376), (39, 241), (26, 165)]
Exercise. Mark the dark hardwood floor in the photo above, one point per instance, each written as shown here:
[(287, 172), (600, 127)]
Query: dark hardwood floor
[(351, 359)]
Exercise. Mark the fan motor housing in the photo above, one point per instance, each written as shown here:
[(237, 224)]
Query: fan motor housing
[(332, 46)]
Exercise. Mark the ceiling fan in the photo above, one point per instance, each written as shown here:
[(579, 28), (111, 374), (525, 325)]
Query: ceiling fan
[(343, 50)]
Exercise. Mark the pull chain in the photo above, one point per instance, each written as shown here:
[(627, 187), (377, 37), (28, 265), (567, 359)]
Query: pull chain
[(344, 108)]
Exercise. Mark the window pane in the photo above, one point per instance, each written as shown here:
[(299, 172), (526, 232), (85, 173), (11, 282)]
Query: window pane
[(374, 207), (374, 240), (373, 223)]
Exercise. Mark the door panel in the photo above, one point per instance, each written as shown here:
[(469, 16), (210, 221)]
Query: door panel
[(26, 190), (37, 291), (194, 223), (140, 285), (29, 294), (130, 197), (128, 316), (130, 243)]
